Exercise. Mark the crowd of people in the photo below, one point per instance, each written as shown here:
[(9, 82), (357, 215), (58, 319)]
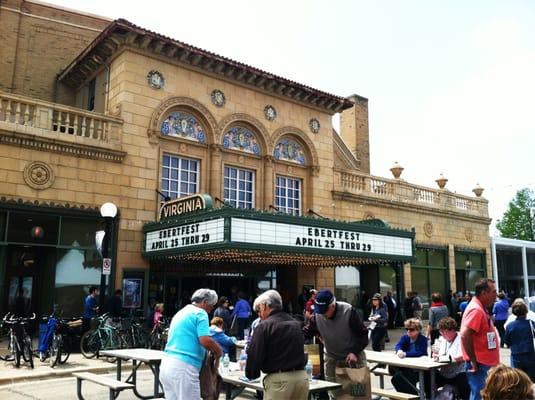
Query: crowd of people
[(466, 337)]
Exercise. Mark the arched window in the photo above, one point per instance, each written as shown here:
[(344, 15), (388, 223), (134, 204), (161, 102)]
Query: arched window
[(289, 150), (183, 125), (242, 139)]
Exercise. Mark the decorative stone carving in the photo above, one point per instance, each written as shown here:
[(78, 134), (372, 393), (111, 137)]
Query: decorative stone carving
[(428, 229), (441, 181), (315, 170), (396, 170), (183, 147), (38, 175), (368, 215), (115, 111), (469, 234), (241, 159), (478, 190), (290, 169)]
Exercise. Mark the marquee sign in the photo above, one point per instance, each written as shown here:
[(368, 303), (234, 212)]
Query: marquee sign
[(326, 239), (180, 236), (183, 205)]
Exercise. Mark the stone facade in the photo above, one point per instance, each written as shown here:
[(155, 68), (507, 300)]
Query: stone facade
[(33, 34)]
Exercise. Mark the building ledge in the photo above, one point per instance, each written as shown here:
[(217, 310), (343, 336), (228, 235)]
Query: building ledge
[(32, 123)]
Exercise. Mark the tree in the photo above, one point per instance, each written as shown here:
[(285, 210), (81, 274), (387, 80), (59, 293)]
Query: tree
[(518, 221)]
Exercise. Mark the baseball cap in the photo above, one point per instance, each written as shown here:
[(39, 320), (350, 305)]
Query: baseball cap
[(323, 299), (377, 296)]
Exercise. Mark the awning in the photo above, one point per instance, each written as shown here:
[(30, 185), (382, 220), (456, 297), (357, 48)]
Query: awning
[(250, 236)]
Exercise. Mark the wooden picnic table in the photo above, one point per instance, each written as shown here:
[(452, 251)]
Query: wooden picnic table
[(149, 357), (237, 383), (421, 364)]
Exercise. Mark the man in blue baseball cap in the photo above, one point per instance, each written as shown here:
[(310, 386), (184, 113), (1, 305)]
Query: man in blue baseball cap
[(342, 332)]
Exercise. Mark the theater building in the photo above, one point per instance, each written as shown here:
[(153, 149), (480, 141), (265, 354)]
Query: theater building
[(223, 175)]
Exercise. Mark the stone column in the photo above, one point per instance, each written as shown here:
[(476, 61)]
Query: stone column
[(451, 268), (269, 180), (216, 171)]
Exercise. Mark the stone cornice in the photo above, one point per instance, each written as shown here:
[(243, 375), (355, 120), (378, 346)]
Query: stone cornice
[(57, 146), (122, 33)]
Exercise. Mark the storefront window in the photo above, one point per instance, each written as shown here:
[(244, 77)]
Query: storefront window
[(469, 267), (76, 271), (429, 273), (33, 228), (288, 195), (180, 176), (347, 285), (239, 187), (78, 232), (387, 277)]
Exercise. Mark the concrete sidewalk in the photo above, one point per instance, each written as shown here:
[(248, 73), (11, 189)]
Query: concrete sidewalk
[(46, 383)]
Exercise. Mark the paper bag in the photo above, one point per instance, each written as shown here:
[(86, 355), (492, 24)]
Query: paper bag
[(356, 383)]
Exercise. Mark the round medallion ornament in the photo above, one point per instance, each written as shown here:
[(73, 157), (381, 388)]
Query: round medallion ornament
[(314, 125), (38, 175), (155, 79), (428, 229), (270, 112), (218, 98)]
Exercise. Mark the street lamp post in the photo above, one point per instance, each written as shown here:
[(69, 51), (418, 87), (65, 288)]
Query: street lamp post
[(108, 211)]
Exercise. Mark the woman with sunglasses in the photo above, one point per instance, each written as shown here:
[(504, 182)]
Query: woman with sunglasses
[(411, 344)]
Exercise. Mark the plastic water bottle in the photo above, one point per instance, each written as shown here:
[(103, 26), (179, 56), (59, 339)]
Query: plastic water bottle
[(243, 360), (226, 362), (308, 369)]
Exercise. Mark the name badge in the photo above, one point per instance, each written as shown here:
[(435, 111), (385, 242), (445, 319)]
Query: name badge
[(491, 340)]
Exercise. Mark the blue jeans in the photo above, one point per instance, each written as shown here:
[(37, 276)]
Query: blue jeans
[(476, 381)]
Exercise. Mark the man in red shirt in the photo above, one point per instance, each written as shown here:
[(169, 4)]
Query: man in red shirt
[(479, 338)]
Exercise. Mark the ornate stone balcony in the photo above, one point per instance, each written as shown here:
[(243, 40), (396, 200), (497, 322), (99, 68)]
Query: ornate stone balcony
[(399, 193), (33, 123)]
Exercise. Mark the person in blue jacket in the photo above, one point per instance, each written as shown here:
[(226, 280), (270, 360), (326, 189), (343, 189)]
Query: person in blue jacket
[(411, 344), (242, 311), (227, 343), (500, 310), (519, 337)]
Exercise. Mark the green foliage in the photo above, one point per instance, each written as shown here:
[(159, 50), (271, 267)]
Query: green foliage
[(517, 221)]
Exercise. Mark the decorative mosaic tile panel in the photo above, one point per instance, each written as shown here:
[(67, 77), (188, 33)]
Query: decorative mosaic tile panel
[(242, 139), (289, 150), (184, 125)]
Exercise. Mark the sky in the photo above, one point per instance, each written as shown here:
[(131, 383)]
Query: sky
[(451, 84)]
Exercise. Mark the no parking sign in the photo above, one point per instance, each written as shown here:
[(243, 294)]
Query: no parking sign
[(106, 266)]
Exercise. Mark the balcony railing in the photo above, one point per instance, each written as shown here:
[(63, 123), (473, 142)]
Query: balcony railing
[(52, 121), (397, 190)]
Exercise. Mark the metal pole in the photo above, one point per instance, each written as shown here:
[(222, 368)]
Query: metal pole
[(105, 254)]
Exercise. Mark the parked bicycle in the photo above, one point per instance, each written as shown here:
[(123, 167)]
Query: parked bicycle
[(57, 340), (134, 333), (20, 342), (104, 337), (158, 335)]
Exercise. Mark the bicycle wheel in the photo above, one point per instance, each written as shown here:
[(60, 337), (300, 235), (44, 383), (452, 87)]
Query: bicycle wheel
[(90, 344), (27, 351), (55, 350), (64, 350), (14, 348)]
